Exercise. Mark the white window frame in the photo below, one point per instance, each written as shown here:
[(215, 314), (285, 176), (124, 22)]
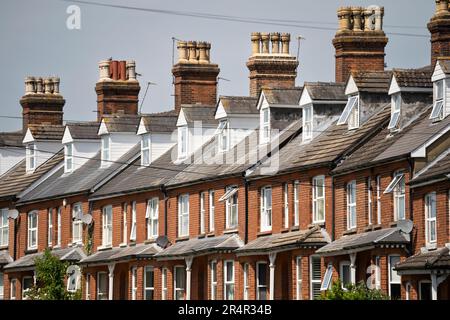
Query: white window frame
[(246, 285), (298, 278), (202, 212), (327, 277), (308, 116), (286, 204), (134, 283), (351, 107), (212, 209), (146, 150), (50, 227), (390, 270), (68, 157), (32, 230), (58, 224), (150, 289), (224, 135), (439, 101), (228, 283), (87, 284), (177, 289), (13, 289), (396, 103), (125, 223), (24, 291), (378, 179), (183, 142), (133, 222), (266, 209), (213, 266), (296, 203), (317, 199), (421, 282), (265, 125), (232, 208), (259, 286), (77, 224), (183, 215), (398, 189), (164, 278), (351, 205), (430, 198), (106, 150), (343, 264), (107, 226), (102, 295), (4, 227), (152, 215), (369, 201), (31, 157), (312, 280)]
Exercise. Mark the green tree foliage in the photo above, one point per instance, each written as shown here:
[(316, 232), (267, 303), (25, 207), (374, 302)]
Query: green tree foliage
[(352, 292), (50, 274)]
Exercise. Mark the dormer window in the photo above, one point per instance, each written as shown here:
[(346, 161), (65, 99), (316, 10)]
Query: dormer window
[(265, 125), (307, 122), (395, 110), (106, 150), (68, 157), (438, 107), (350, 114), (223, 134), (145, 150), (31, 157), (182, 142)]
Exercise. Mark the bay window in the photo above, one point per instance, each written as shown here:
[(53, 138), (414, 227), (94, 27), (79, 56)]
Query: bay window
[(228, 272), (261, 281), (164, 288), (133, 283), (315, 274), (298, 278), (179, 282), (149, 283), (345, 274), (102, 286), (107, 226), (394, 278)]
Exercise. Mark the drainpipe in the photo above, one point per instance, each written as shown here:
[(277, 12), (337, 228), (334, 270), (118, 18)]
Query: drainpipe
[(246, 184), (333, 209), (166, 200), (411, 203), (15, 238)]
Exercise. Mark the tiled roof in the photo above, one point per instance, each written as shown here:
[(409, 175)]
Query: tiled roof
[(363, 241), (295, 239), (283, 96), (239, 105), (80, 181), (197, 112), (139, 251), (374, 81), (439, 168), (83, 130), (27, 262), (160, 122), (200, 246), (122, 123), (47, 132), (5, 258), (327, 147), (413, 78), (17, 179), (326, 91), (11, 139), (445, 64), (433, 259)]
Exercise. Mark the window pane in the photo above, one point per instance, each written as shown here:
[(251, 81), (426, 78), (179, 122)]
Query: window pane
[(229, 275), (425, 291), (345, 276), (262, 274)]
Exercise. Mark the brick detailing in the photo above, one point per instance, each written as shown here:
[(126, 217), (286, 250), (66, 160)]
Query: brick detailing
[(439, 27)]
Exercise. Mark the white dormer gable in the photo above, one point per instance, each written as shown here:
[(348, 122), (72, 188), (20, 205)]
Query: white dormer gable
[(262, 102), (441, 94), (28, 137), (181, 119), (38, 151), (351, 88), (394, 87), (142, 128), (305, 98), (438, 73), (220, 112), (103, 129), (67, 137)]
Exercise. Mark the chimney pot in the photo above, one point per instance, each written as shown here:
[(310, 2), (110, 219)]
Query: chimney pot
[(55, 81), (256, 43), (265, 37), (103, 67), (114, 69), (442, 7), (192, 48), (30, 85), (131, 70), (48, 84), (182, 52), (39, 86), (275, 39), (122, 70), (285, 40), (202, 57), (208, 51), (357, 21), (344, 16)]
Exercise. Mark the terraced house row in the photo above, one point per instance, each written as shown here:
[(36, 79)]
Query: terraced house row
[(274, 195)]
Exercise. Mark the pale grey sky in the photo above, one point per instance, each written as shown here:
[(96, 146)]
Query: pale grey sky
[(35, 41)]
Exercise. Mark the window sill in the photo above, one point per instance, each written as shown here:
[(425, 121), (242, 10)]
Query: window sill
[(226, 231), (31, 251), (295, 228), (103, 248), (349, 232), (284, 230), (201, 236), (264, 233), (318, 224), (56, 247), (4, 247), (122, 245), (431, 246), (210, 234), (393, 224), (185, 238), (149, 241)]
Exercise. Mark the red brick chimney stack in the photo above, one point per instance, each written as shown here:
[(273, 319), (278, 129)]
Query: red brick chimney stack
[(194, 75), (271, 67), (42, 102), (360, 41), (117, 88), (439, 27)]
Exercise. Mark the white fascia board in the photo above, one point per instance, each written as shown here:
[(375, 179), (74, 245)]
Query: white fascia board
[(305, 98), (421, 151), (142, 129), (28, 137), (103, 129), (351, 87)]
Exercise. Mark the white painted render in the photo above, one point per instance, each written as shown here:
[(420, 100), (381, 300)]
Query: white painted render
[(9, 157)]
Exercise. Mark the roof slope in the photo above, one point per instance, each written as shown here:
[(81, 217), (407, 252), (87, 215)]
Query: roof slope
[(160, 122), (122, 123), (11, 139), (282, 96), (433, 259), (414, 78), (439, 168), (326, 91), (372, 81), (47, 132), (83, 130), (197, 112)]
